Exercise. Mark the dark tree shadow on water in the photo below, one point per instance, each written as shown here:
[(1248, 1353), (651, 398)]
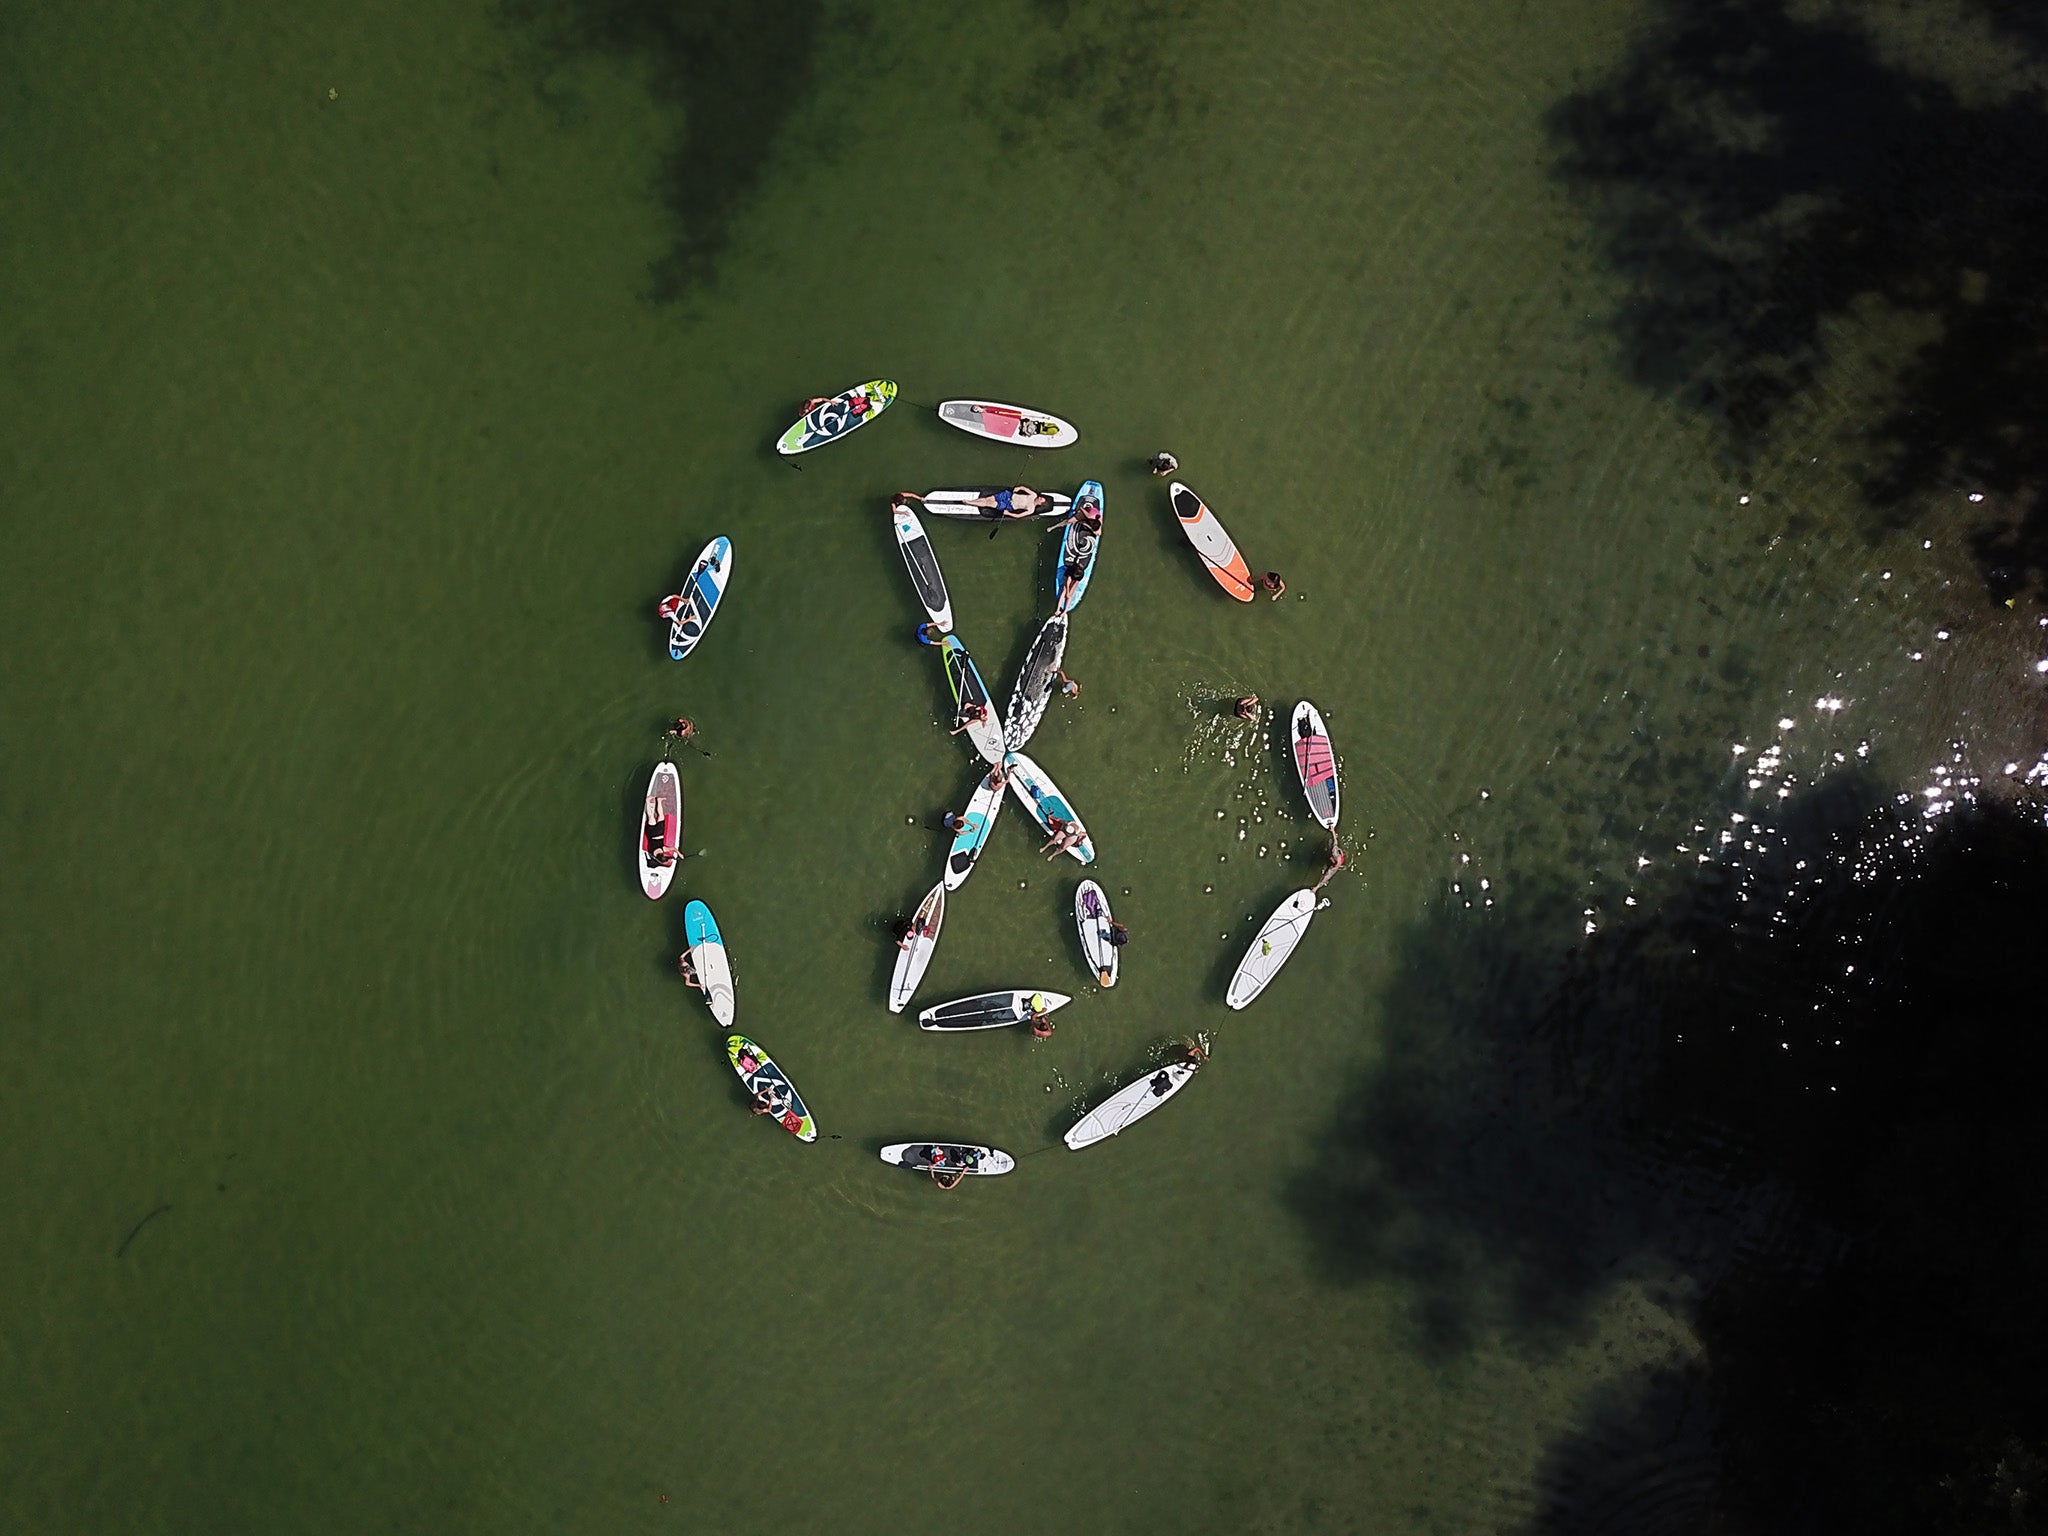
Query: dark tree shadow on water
[(1756, 169), (1804, 1086), (732, 71)]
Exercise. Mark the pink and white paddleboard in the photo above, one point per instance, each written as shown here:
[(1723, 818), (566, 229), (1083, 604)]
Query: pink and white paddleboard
[(1315, 761), (661, 830), (1008, 423)]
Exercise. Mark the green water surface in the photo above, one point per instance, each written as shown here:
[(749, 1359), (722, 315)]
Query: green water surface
[(369, 374)]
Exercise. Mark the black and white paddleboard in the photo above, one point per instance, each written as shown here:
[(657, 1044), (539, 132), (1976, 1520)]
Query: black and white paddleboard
[(1033, 690), (948, 1157), (992, 1010), (923, 565), (968, 501)]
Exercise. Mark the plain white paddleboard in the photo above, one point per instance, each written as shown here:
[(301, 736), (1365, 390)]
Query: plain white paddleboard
[(910, 962), (1037, 793), (991, 1010), (1130, 1103), (1096, 949), (1015, 424), (926, 579), (1269, 951), (708, 959), (976, 822), (665, 789), (917, 1155), (1315, 762)]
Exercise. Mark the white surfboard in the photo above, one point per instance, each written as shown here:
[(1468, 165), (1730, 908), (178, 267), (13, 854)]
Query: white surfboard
[(917, 953), (993, 1010), (926, 579), (1275, 942), (1315, 762), (1001, 423), (1129, 1104), (1091, 917), (961, 1157), (1037, 793), (708, 959), (665, 795), (976, 822)]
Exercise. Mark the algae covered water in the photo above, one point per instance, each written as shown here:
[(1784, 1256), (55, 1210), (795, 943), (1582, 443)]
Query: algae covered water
[(370, 378)]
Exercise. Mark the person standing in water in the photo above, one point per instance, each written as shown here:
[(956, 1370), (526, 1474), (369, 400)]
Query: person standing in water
[(1162, 464)]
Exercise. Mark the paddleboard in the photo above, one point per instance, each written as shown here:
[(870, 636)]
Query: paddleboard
[(689, 611), (976, 822), (964, 678), (1128, 1104), (1315, 762), (665, 793), (1007, 423), (991, 1010), (961, 1157), (923, 565), (1218, 553), (1078, 552), (708, 959), (913, 957), (1269, 951), (1033, 691), (766, 1082), (1036, 791), (1091, 917), (960, 502), (838, 416)]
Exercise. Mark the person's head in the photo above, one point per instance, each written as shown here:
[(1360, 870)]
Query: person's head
[(1271, 581)]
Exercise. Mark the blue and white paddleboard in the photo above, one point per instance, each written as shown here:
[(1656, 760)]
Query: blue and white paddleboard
[(975, 824), (689, 611), (1042, 798), (1074, 552), (708, 960)]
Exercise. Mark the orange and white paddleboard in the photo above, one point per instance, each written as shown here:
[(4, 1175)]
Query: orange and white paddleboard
[(1211, 543)]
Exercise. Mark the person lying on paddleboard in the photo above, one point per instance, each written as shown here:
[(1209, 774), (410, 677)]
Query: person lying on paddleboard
[(1068, 836), (1017, 501), (908, 933), (971, 715), (655, 825)]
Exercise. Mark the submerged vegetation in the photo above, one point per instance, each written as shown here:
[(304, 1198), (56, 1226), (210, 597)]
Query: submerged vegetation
[(1795, 1095), (1759, 172)]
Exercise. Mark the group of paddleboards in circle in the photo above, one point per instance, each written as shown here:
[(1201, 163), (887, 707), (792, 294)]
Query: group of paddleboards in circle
[(999, 742)]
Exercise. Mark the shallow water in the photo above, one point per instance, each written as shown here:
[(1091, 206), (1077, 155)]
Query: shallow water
[(369, 384)]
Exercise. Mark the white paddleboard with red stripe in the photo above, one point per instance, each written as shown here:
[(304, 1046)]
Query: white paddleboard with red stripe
[(1016, 424)]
